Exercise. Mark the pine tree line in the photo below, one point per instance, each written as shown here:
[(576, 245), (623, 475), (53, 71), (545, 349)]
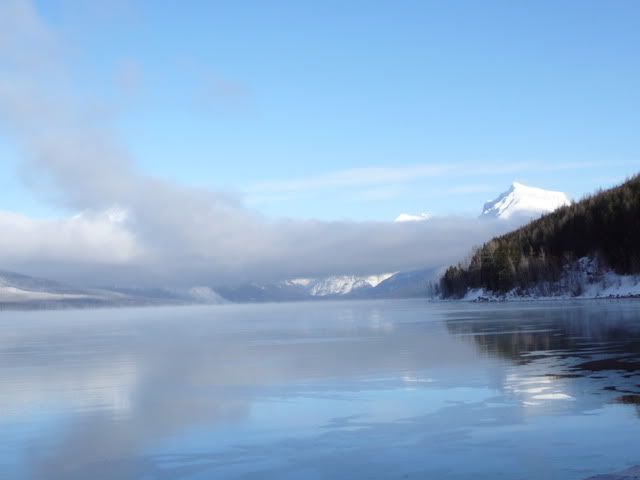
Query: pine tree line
[(605, 225)]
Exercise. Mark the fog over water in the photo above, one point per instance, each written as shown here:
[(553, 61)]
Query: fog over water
[(403, 389)]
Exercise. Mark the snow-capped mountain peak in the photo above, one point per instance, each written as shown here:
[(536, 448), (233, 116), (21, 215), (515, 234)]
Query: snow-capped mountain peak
[(409, 217), (524, 201), (343, 284), (338, 284)]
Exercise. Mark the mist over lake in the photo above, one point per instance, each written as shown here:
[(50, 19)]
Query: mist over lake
[(376, 389)]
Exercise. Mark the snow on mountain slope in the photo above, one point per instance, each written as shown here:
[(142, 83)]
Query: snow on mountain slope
[(523, 201), (205, 295), (409, 217), (13, 294), (343, 284), (335, 285), (26, 283), (409, 284), (22, 289)]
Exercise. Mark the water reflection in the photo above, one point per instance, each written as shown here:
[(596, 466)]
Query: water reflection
[(590, 347), (332, 390)]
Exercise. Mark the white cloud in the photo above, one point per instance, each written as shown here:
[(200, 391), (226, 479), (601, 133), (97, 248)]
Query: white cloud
[(410, 217), (90, 239)]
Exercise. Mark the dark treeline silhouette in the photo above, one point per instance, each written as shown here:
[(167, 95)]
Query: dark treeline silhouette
[(604, 226)]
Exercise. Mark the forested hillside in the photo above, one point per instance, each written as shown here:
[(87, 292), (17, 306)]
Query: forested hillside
[(604, 226)]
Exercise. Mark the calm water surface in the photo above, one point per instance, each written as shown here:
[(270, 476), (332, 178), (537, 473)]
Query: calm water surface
[(375, 390)]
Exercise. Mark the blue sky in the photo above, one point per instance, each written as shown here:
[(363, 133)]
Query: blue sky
[(355, 110)]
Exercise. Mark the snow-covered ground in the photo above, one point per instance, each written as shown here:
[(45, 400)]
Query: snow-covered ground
[(585, 279)]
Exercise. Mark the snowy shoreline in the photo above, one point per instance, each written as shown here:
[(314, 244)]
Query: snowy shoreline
[(480, 297), (586, 279)]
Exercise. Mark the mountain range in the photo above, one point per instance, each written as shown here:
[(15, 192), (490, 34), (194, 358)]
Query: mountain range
[(17, 290), (397, 285)]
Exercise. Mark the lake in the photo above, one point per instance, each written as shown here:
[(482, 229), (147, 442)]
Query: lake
[(375, 390)]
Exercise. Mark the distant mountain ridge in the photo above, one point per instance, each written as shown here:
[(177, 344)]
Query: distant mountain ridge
[(338, 284), (23, 291), (16, 289), (410, 284)]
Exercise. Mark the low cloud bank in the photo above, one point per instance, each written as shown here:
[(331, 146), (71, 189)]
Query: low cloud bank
[(99, 249)]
